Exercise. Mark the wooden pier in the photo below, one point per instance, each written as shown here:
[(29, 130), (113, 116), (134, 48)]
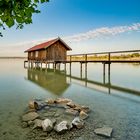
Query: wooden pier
[(106, 58)]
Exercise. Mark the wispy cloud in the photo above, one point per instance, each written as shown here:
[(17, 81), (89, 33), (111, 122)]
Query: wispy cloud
[(29, 43), (103, 32), (19, 48)]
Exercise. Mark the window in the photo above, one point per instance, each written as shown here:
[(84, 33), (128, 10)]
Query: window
[(36, 54), (31, 54)]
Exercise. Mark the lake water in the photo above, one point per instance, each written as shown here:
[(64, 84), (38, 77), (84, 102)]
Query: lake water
[(116, 106)]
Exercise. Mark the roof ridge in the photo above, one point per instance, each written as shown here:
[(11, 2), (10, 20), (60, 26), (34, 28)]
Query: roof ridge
[(47, 44)]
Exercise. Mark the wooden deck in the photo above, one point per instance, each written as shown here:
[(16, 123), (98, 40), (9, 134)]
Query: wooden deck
[(99, 61), (108, 58)]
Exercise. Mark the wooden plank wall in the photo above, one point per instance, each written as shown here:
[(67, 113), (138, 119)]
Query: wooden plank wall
[(56, 52)]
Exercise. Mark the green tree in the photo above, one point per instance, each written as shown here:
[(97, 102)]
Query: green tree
[(18, 12)]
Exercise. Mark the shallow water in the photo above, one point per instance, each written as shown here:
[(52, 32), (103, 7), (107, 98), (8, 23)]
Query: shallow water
[(111, 107)]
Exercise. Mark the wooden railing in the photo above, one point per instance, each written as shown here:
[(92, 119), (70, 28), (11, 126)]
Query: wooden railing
[(130, 55)]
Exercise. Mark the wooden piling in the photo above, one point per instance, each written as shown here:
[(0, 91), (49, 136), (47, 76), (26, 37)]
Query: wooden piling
[(104, 73), (81, 70)]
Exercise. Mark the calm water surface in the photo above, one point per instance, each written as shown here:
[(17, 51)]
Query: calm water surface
[(110, 107)]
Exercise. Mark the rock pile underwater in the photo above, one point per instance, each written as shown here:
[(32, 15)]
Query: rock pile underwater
[(59, 116)]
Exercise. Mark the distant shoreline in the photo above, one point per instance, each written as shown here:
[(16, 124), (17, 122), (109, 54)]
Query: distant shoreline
[(13, 57)]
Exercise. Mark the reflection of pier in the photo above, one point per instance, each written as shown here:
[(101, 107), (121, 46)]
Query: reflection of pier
[(56, 82), (107, 59), (103, 85)]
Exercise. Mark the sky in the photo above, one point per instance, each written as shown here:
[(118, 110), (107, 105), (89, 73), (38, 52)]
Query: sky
[(85, 25)]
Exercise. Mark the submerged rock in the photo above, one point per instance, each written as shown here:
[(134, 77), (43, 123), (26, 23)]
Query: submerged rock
[(30, 116), (61, 127), (47, 125), (30, 110), (30, 123), (70, 126), (63, 100), (50, 101), (78, 108), (24, 124), (56, 115), (71, 111), (37, 123), (49, 114), (78, 123), (62, 113), (85, 109), (71, 104), (83, 115), (104, 131), (33, 105)]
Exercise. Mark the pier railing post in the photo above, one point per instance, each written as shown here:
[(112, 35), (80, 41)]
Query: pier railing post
[(104, 73), (70, 68), (109, 74), (81, 70), (86, 66), (109, 57), (70, 58)]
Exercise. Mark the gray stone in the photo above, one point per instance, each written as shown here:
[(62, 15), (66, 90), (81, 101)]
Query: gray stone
[(77, 107), (30, 116), (70, 126), (83, 115), (33, 105), (37, 123), (46, 107), (56, 115), (49, 114), (61, 127), (53, 121), (30, 110), (50, 101), (71, 111), (63, 100), (77, 122), (85, 109), (104, 131), (24, 124), (47, 125), (71, 104), (30, 123)]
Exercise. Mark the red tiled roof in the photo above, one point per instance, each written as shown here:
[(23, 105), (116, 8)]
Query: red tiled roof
[(46, 44)]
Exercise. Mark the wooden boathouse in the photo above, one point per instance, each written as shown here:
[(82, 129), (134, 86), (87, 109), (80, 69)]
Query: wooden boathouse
[(55, 52), (48, 52)]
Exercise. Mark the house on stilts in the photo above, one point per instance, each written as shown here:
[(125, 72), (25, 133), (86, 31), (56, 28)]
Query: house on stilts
[(52, 51)]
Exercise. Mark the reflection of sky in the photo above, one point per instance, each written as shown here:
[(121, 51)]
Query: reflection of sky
[(67, 18)]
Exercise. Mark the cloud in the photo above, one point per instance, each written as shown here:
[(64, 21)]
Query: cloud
[(19, 48), (103, 32), (28, 43)]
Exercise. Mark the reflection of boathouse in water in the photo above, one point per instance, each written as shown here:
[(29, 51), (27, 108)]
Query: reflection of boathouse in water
[(53, 82)]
